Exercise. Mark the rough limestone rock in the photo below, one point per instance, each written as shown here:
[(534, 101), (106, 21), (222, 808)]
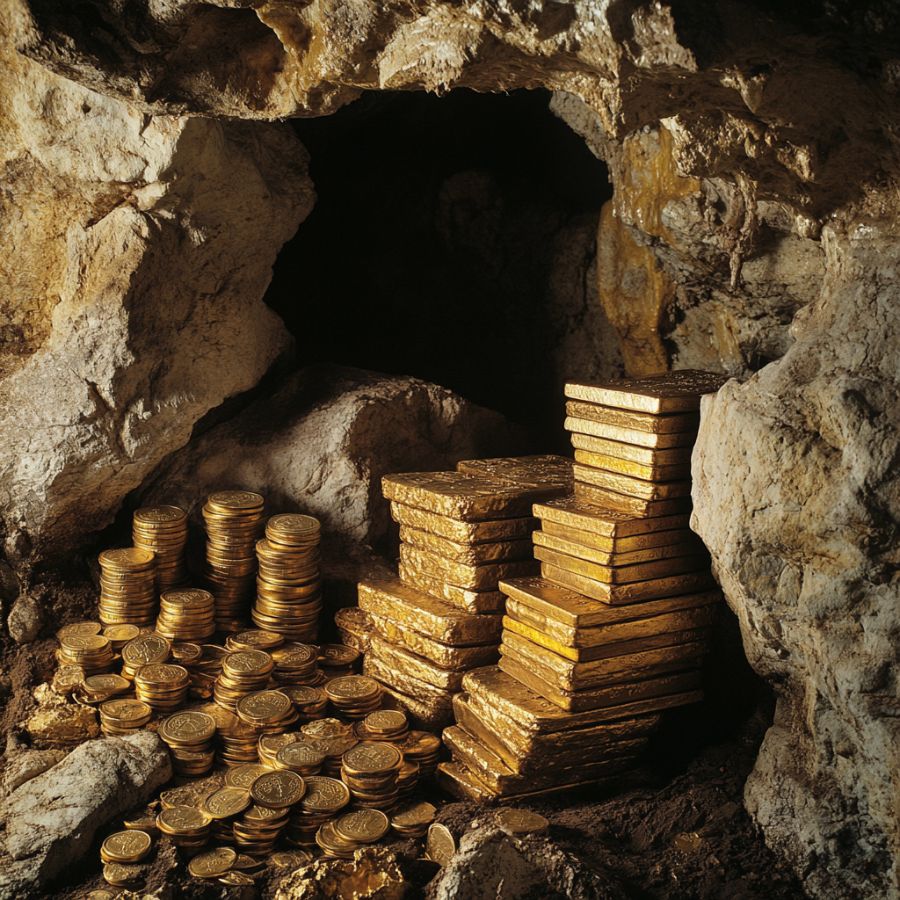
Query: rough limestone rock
[(51, 819), (797, 495), (135, 253), (491, 865), (24, 765), (321, 442)]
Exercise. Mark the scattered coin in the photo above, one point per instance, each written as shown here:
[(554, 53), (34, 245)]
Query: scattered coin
[(440, 845), (521, 821), (212, 863)]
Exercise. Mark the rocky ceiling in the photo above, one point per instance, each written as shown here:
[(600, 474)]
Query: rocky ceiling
[(754, 226)]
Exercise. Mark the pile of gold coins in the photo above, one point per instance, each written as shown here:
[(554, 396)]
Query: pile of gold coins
[(163, 530), (233, 521), (188, 615), (370, 770), (289, 587), (354, 696), (163, 686), (127, 586), (189, 737)]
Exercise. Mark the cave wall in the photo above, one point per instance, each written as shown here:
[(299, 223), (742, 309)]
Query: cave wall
[(755, 161)]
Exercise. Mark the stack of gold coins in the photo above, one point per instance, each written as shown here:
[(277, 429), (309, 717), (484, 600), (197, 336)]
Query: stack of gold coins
[(258, 830), (126, 847), (120, 717), (189, 736), (243, 672), (204, 669), (186, 615), (278, 791), (310, 702), (233, 522), (254, 639), (269, 712), (270, 744), (124, 875), (98, 688), (370, 770), (163, 686), (407, 780), (422, 748), (296, 664), (222, 805), (302, 757), (324, 798), (354, 696), (336, 660), (144, 650), (187, 826), (412, 821), (289, 588), (343, 836), (384, 725), (237, 742), (163, 530), (92, 653), (127, 586)]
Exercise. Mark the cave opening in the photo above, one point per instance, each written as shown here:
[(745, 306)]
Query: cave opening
[(453, 239)]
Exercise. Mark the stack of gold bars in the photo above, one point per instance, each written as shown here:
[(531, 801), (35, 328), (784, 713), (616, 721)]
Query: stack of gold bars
[(615, 628), (461, 532)]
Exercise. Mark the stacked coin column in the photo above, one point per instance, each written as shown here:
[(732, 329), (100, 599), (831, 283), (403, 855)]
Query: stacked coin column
[(614, 630), (163, 530), (127, 587), (233, 522)]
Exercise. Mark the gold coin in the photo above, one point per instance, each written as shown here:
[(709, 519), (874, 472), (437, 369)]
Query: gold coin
[(147, 649), (126, 846), (244, 776), (79, 628), (299, 755), (79, 642), (263, 707), (188, 728), (163, 675), (121, 875), (226, 802), (248, 662), (106, 684), (101, 895), (521, 821), (212, 863), (182, 820), (350, 688), (338, 655), (127, 558), (236, 500), (418, 814), (256, 639), (278, 790), (386, 720), (159, 515), (126, 711), (326, 728), (362, 826), (294, 524), (119, 633), (372, 757), (324, 795), (295, 655), (186, 653), (290, 859), (440, 846)]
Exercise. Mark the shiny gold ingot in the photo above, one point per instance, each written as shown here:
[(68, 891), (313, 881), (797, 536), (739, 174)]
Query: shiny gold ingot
[(444, 655), (458, 781), (468, 554), (430, 700), (632, 487), (459, 531), (355, 626), (469, 599), (669, 392), (398, 658), (628, 435), (461, 496), (632, 592), (432, 713), (690, 545), (612, 545), (620, 575), (476, 578), (568, 676), (392, 599), (672, 423), (610, 523), (634, 506), (530, 471), (633, 469), (633, 453)]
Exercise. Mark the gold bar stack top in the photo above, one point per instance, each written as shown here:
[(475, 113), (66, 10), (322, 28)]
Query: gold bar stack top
[(614, 629), (461, 532)]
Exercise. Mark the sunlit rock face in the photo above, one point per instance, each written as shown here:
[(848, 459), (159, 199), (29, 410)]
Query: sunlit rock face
[(752, 229)]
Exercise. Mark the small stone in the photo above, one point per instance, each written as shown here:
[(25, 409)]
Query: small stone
[(26, 618)]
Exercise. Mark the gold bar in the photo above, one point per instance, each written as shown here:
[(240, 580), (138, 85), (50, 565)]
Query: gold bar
[(691, 545), (437, 699), (633, 487), (401, 660), (392, 599), (632, 469), (566, 675), (610, 523), (494, 693), (355, 626), (464, 598), (462, 532), (617, 594), (621, 574), (616, 545), (628, 435), (529, 471), (459, 782), (423, 712), (577, 613), (476, 578), (646, 456), (634, 506), (603, 697), (668, 392), (467, 554), (461, 496), (655, 423), (444, 655)]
